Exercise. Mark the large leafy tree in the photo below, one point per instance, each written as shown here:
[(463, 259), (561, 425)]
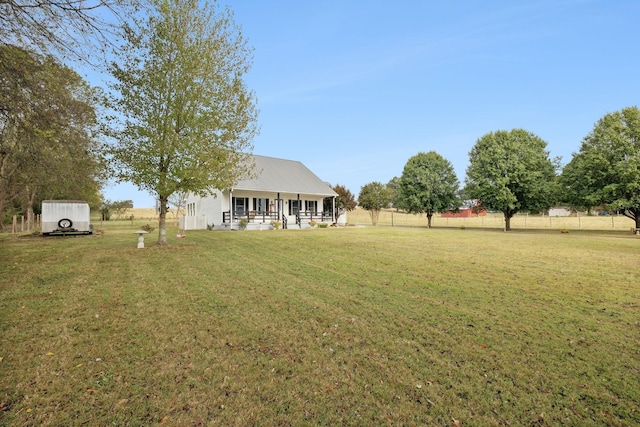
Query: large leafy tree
[(606, 170), (374, 197), (47, 124), (189, 119), (510, 171), (428, 185)]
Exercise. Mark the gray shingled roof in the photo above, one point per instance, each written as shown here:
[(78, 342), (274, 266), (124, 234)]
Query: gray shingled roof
[(284, 176)]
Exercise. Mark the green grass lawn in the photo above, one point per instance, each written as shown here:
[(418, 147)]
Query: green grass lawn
[(349, 326)]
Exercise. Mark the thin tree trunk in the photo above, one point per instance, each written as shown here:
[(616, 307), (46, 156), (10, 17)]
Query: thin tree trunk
[(507, 222), (4, 189), (2, 205), (30, 201), (374, 217), (429, 216), (162, 221)]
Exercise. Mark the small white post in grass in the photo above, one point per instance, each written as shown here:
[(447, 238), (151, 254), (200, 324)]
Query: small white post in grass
[(140, 234)]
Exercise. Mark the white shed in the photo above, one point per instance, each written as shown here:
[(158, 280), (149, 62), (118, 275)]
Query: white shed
[(61, 217)]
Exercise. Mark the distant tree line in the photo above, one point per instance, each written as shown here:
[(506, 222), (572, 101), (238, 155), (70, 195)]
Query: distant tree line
[(512, 172), (117, 208)]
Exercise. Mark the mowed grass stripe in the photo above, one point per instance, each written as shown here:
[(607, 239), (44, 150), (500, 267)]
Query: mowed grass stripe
[(321, 327)]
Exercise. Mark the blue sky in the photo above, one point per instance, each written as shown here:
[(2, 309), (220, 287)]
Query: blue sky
[(353, 89)]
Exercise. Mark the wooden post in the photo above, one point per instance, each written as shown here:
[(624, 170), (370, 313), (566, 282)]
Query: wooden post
[(14, 228), (22, 224)]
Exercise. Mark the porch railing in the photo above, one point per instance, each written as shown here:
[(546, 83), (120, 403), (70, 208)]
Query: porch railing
[(266, 217), (252, 216), (313, 216)]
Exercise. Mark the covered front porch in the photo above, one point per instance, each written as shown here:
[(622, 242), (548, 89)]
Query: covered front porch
[(276, 210)]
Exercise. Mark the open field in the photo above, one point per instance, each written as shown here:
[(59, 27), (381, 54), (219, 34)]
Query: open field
[(496, 220), (352, 326)]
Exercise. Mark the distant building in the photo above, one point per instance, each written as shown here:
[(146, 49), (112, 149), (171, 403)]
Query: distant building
[(469, 209), (560, 211)]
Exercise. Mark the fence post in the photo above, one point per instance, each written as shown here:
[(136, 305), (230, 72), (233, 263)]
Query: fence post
[(22, 224), (14, 225)]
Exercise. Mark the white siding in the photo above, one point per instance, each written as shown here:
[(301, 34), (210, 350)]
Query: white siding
[(342, 219), (193, 222), (203, 211)]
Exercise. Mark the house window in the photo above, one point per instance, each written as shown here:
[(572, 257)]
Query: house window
[(261, 205), (240, 205), (294, 207), (311, 206)]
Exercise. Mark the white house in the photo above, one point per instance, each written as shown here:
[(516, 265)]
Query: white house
[(284, 191)]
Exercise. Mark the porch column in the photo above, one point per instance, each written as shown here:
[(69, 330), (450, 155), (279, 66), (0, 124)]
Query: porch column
[(278, 207), (231, 206), (334, 217)]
